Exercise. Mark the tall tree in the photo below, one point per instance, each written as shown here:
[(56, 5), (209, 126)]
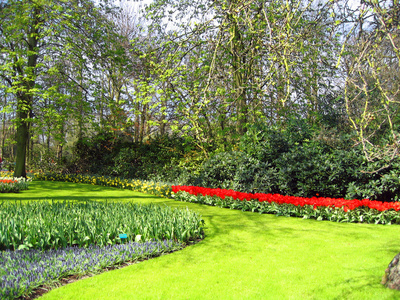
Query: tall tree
[(372, 87), (36, 37), (230, 63)]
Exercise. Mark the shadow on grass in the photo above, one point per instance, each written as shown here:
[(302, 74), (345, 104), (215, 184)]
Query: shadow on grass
[(75, 198), (350, 287), (66, 191)]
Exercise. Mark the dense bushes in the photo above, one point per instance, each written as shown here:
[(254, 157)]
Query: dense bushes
[(113, 155), (297, 159), (383, 185), (309, 169), (301, 161), (237, 170)]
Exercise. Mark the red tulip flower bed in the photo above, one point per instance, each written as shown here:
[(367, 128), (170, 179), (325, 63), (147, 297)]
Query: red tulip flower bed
[(8, 181), (320, 208), (8, 185)]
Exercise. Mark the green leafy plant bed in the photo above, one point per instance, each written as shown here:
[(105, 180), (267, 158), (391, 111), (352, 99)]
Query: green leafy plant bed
[(44, 225), (42, 242), (339, 210), (13, 185)]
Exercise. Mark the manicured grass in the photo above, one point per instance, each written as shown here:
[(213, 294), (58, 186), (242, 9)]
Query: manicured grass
[(244, 256)]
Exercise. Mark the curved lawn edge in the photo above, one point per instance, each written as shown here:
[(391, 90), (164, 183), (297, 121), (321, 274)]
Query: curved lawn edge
[(48, 269), (319, 208), (255, 256), (244, 256), (143, 186), (48, 272)]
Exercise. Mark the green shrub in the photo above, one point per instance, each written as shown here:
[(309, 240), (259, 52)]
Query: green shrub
[(267, 143), (301, 161), (95, 154), (383, 185), (185, 170), (312, 169), (220, 169), (127, 164), (239, 171), (255, 176), (108, 154)]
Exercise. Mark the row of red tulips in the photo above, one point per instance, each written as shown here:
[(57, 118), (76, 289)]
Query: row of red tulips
[(12, 185), (8, 181), (298, 201)]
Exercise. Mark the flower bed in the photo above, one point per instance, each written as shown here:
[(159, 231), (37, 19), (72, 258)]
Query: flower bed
[(21, 272), (319, 208), (58, 239), (61, 224), (13, 185)]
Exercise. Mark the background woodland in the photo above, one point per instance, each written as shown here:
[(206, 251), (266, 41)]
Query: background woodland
[(296, 97)]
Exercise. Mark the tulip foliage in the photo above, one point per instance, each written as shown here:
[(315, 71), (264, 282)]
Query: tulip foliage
[(57, 225)]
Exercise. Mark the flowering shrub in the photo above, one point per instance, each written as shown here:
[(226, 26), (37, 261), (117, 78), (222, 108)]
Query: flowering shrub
[(13, 185), (148, 187), (320, 208)]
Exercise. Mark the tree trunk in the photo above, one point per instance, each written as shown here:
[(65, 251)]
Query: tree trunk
[(4, 132), (25, 95), (236, 49), (24, 106)]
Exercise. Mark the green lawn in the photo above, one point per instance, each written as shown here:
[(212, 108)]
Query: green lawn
[(244, 256)]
